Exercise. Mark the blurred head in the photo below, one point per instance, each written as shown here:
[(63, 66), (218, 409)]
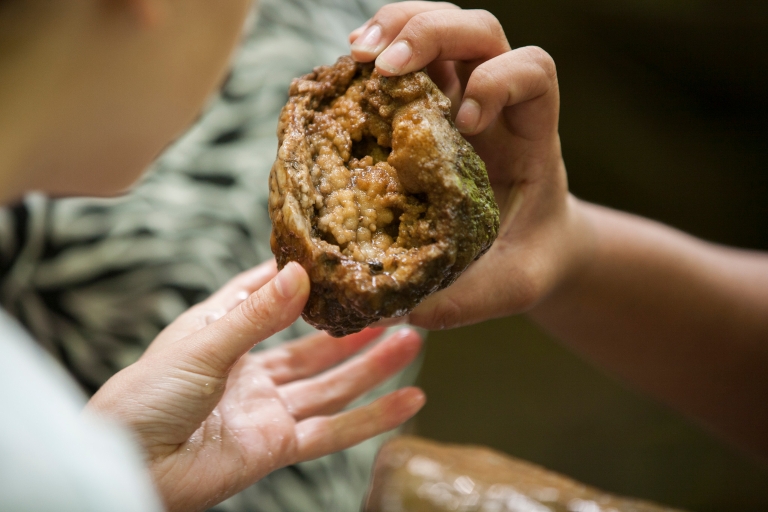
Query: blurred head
[(92, 90)]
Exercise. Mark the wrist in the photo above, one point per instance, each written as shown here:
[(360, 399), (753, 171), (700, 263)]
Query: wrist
[(577, 253)]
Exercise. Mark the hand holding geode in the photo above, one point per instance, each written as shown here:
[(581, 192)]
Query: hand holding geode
[(375, 193)]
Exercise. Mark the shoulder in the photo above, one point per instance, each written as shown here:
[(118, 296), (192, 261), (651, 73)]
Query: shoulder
[(53, 457)]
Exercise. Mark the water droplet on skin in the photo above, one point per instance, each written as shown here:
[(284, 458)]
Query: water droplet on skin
[(464, 484), (208, 389)]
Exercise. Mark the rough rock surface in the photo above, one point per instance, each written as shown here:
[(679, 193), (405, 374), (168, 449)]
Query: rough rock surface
[(375, 193)]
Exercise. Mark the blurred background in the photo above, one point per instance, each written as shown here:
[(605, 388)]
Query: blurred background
[(664, 114)]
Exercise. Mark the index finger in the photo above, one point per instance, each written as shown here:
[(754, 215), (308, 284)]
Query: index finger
[(215, 349), (216, 306), (312, 354), (376, 34), (470, 36)]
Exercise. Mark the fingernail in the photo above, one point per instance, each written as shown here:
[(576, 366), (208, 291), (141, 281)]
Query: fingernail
[(369, 40), (395, 58), (288, 281), (468, 116)]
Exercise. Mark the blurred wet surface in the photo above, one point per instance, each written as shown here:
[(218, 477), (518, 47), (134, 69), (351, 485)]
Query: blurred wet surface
[(416, 475)]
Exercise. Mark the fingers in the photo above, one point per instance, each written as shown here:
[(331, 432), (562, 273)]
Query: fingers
[(516, 77), (217, 305), (311, 355), (273, 307), (331, 391), (443, 73), (390, 322), (465, 302), (447, 34), (482, 292), (417, 35), (370, 39), (240, 287), (320, 436)]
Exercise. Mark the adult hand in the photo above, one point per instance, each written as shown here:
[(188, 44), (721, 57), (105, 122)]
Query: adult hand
[(506, 103), (214, 418)]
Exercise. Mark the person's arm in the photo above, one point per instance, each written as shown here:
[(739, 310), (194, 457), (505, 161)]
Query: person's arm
[(682, 319)]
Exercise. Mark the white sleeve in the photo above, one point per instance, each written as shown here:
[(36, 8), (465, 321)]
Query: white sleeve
[(52, 456)]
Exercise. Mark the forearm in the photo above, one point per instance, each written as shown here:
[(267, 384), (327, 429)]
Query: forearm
[(684, 320)]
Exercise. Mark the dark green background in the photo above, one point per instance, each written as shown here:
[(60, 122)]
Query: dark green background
[(665, 114)]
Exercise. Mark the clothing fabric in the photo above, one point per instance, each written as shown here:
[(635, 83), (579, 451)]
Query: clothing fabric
[(53, 457), (95, 280)]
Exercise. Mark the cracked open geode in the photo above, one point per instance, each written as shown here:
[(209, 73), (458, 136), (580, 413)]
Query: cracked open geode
[(375, 193)]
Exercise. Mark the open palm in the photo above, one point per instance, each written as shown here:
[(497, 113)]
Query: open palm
[(213, 421)]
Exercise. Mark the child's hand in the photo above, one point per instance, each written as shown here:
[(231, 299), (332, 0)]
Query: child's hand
[(213, 418), (506, 102)]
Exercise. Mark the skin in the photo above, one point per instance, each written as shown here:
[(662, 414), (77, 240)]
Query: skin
[(213, 419), (125, 77), (91, 91), (682, 319)]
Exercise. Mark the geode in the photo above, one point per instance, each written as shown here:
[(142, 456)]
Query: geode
[(375, 193)]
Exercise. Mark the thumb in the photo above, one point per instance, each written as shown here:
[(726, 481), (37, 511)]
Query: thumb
[(273, 307), (481, 293), (165, 397)]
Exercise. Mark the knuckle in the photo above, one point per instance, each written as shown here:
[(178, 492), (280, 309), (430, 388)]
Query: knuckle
[(492, 24), (391, 14), (543, 61), (484, 74), (388, 10), (255, 312), (487, 82), (424, 23)]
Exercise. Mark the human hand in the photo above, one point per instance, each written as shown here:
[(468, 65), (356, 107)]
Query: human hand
[(213, 418), (506, 102)]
